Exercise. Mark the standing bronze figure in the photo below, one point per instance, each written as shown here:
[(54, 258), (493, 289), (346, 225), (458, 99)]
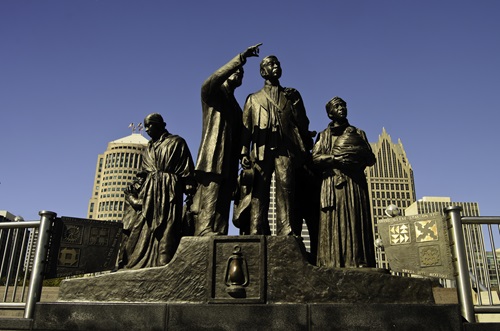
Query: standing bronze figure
[(218, 156), (153, 215), (275, 138), (342, 153)]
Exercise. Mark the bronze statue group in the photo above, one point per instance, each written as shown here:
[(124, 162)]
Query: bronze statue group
[(322, 183)]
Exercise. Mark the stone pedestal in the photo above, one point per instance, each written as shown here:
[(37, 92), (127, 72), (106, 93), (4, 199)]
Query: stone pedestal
[(246, 283), (277, 270)]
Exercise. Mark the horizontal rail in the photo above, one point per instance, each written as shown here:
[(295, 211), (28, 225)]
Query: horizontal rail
[(19, 225), (487, 309), (13, 305), (481, 220)]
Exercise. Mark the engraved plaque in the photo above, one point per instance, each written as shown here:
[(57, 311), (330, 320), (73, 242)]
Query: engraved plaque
[(251, 256), (417, 245), (80, 246)]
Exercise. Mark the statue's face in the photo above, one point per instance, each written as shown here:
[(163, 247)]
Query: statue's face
[(271, 68), (337, 111), (236, 79), (153, 129)]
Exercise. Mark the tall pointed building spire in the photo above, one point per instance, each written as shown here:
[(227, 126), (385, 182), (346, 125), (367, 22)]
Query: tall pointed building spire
[(390, 181)]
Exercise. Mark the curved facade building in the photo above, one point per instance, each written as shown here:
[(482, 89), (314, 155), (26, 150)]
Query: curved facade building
[(115, 169)]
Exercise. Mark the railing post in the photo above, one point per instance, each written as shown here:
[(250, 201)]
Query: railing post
[(39, 262), (463, 278)]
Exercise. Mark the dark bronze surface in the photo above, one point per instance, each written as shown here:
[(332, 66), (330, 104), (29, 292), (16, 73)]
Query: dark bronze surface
[(218, 155), (341, 154), (252, 261), (275, 138), (152, 225), (278, 273)]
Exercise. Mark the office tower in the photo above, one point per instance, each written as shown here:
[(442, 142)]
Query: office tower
[(12, 244), (438, 204), (115, 169), (271, 215), (390, 181), (5, 216), (492, 260)]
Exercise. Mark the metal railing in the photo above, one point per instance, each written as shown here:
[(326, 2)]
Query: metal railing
[(23, 254), (475, 271)]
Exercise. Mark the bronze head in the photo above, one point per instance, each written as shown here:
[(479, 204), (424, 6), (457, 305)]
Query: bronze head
[(336, 109), (155, 125), (270, 68)]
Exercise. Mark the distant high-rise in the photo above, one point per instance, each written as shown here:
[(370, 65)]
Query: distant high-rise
[(271, 215), (12, 243), (438, 204), (5, 216), (115, 169), (492, 260), (390, 181)]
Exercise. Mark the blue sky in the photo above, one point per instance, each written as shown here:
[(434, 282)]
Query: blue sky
[(74, 74)]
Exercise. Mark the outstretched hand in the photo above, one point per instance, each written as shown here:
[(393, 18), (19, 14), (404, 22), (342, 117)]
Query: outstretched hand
[(251, 51)]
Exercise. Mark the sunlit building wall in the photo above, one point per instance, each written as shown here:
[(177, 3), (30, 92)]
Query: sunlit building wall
[(271, 215), (13, 243), (493, 261), (115, 169)]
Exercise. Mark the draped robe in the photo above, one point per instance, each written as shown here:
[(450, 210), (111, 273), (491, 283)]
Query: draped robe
[(153, 233), (345, 229)]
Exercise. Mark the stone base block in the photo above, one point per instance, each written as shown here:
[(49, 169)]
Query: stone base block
[(345, 317), (15, 323)]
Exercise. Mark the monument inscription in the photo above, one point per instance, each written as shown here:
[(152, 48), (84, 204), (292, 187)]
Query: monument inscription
[(417, 245)]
